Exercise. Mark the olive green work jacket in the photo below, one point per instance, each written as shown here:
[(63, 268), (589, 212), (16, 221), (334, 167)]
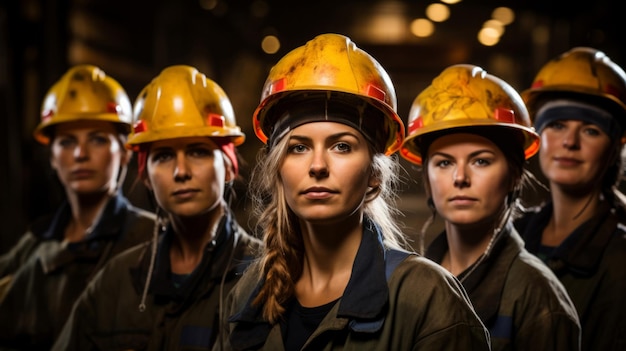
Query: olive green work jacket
[(416, 306)]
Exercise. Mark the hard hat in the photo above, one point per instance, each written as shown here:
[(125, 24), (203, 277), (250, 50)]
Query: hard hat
[(464, 96), (332, 69), (581, 73), (182, 102), (84, 92)]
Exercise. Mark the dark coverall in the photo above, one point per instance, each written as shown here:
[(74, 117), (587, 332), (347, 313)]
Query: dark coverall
[(47, 276), (107, 315), (416, 306), (519, 299), (591, 264)]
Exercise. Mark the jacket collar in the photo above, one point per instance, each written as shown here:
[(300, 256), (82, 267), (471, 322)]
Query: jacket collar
[(108, 228), (485, 283), (213, 266), (109, 223), (362, 307), (583, 249)]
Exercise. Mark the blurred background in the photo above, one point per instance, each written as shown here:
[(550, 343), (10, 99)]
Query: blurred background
[(236, 42)]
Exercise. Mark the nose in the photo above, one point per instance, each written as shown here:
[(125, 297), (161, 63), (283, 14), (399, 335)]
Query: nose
[(571, 139), (81, 151), (181, 169), (461, 177), (318, 167)]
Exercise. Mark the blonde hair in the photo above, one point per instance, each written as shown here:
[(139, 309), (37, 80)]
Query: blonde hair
[(281, 260)]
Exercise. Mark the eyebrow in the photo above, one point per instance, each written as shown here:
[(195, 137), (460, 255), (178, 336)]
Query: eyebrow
[(187, 146), (473, 154), (331, 136)]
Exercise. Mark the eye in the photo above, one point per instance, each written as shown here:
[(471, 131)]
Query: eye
[(482, 162), (296, 149), (200, 151), (161, 156), (65, 141), (342, 147), (99, 139), (555, 125), (592, 130), (442, 163)]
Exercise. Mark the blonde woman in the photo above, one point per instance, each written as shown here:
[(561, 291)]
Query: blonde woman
[(335, 273)]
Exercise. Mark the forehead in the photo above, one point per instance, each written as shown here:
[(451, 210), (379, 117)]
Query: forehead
[(461, 142), (184, 142), (323, 129), (85, 126)]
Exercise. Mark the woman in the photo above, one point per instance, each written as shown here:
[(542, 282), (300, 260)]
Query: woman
[(470, 133), (578, 104), (333, 274), (86, 118), (167, 294)]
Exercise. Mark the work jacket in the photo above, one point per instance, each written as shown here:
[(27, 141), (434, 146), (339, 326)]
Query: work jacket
[(591, 265), (47, 275), (108, 315), (518, 298), (389, 304)]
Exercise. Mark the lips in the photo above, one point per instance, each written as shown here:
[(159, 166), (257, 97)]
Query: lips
[(316, 193), (82, 173), (462, 200), (567, 161), (185, 193)]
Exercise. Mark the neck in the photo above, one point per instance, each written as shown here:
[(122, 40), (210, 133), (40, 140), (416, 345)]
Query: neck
[(330, 251), (569, 212), (192, 234), (465, 246), (86, 210)]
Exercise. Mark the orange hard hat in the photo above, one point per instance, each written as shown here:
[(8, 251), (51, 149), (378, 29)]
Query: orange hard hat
[(84, 92), (330, 69), (464, 96)]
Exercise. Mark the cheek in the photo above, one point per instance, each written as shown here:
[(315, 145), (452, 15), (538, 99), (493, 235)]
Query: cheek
[(437, 187), (496, 187), (548, 143), (60, 158), (597, 152)]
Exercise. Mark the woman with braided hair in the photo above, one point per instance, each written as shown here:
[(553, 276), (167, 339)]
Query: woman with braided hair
[(335, 273)]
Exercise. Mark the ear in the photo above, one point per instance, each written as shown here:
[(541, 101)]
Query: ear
[(229, 174), (53, 163), (147, 183), (374, 181), (127, 155)]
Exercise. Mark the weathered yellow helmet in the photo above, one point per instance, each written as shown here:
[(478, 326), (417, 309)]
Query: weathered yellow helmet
[(581, 73), (330, 69), (182, 102), (84, 92), (464, 96)]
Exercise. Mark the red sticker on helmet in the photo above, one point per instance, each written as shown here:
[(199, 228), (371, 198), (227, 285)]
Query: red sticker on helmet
[(140, 126), (375, 92), (112, 107), (504, 115), (215, 120), (416, 124)]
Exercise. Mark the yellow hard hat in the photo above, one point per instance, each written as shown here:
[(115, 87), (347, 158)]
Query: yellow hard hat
[(182, 102), (464, 96), (84, 92), (581, 73), (330, 69)]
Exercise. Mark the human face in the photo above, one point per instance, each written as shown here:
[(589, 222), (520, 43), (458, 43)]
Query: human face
[(573, 153), (87, 156), (187, 175), (469, 178), (326, 172)]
